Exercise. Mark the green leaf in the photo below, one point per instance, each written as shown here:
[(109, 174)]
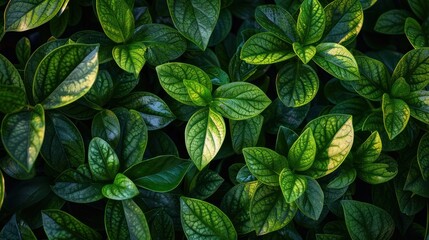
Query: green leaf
[(337, 61), (223, 27), (418, 101), (2, 189), (303, 151), (366, 221), (344, 20), (121, 189), (285, 139), (125, 220), (160, 144), (374, 78), (77, 186), (415, 182), (102, 159), (416, 34), (269, 211), (172, 76), (152, 108), (369, 150), (13, 98), (65, 75), (239, 100), (266, 48), (63, 145), (311, 22), (195, 19), (9, 75), (413, 67), (278, 21), (305, 53), (420, 8), (116, 19), (311, 201), (106, 126), (346, 176), (334, 135), (17, 229), (61, 225), (14, 170), (23, 50), (202, 220), (264, 164), (204, 135), (400, 88), (292, 185), (380, 171), (160, 174), (161, 226), (134, 137), (130, 57), (205, 184), (396, 114), (392, 21), (297, 84), (102, 89), (244, 175), (245, 133), (22, 135), (199, 94), (162, 42), (423, 156), (22, 15)]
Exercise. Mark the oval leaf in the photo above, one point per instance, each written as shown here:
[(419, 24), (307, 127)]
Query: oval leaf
[(102, 159), (423, 156), (12, 98), (413, 68), (396, 114), (292, 185), (121, 189), (116, 19), (245, 133), (277, 20), (312, 200), (311, 21), (303, 151), (105, 125), (130, 57), (202, 220)]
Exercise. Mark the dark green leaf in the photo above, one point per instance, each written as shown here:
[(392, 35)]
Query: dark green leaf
[(105, 125), (160, 174), (236, 204), (311, 22), (61, 225), (195, 19), (337, 61), (9, 75), (222, 28), (102, 89), (102, 159), (423, 156), (285, 139), (311, 202), (116, 19), (413, 67), (244, 175), (245, 133), (65, 74), (152, 108), (366, 221), (130, 57), (160, 144), (172, 75), (292, 185), (415, 182), (22, 135), (16, 229), (344, 20), (265, 164), (22, 15), (12, 98), (334, 135), (418, 101), (392, 21), (269, 211), (204, 135), (380, 171), (239, 100), (202, 220), (369, 150), (303, 151), (400, 88), (23, 50), (420, 8), (14, 170), (121, 189), (345, 177), (205, 184), (277, 20), (161, 226), (416, 34), (266, 48), (63, 145), (396, 114), (297, 84), (125, 220)]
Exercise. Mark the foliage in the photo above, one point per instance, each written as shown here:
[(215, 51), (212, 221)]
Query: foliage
[(223, 119)]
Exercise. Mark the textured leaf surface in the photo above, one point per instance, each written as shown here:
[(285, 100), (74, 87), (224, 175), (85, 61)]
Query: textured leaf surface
[(369, 150), (65, 74), (61, 225), (297, 84), (414, 67), (392, 22), (102, 159), (266, 48), (334, 135), (303, 151), (269, 211), (416, 34), (245, 133), (423, 156), (125, 220), (292, 185), (22, 15), (239, 100), (121, 189), (195, 19), (116, 19), (106, 126), (205, 184), (204, 135), (380, 171), (311, 201), (278, 21), (22, 135), (396, 114), (337, 61), (130, 57), (202, 220), (13, 98), (366, 221), (200, 95), (160, 174), (305, 53), (265, 164), (311, 21)]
